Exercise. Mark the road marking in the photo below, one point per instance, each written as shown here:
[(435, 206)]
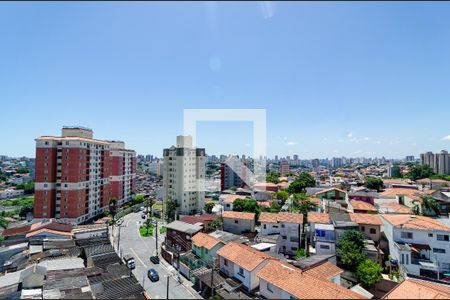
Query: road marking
[(137, 256)]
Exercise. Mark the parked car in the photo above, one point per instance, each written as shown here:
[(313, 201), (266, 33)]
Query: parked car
[(154, 259), (129, 261), (143, 216), (153, 275), (119, 222)]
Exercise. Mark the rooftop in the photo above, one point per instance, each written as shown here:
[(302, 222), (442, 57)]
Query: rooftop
[(238, 215), (205, 240), (419, 289), (361, 205), (302, 285), (414, 222), (315, 217), (266, 217), (369, 219), (242, 255), (184, 227)]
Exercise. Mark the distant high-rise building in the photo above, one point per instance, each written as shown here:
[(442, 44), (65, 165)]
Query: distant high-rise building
[(276, 158), (233, 173), (315, 163), (410, 158), (156, 167), (184, 176), (439, 162), (337, 162), (284, 168), (77, 175)]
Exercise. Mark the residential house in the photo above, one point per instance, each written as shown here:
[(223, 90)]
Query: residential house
[(365, 195), (238, 222), (393, 208), (324, 239), (279, 280), (227, 203), (359, 206), (412, 288), (420, 244), (242, 263), (179, 235), (287, 225), (204, 219), (205, 246), (369, 225), (331, 197)]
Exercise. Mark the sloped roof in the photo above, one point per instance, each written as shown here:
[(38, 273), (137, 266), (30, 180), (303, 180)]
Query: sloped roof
[(369, 219), (243, 255), (205, 240), (419, 289), (302, 285), (238, 215), (266, 217), (316, 217), (325, 270), (414, 222), (361, 205)]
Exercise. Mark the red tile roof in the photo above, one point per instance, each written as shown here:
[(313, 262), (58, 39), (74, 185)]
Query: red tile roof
[(369, 219), (315, 217), (243, 255), (199, 219), (231, 198), (266, 217), (325, 270), (205, 240), (419, 289), (414, 222), (238, 215), (361, 205), (302, 285)]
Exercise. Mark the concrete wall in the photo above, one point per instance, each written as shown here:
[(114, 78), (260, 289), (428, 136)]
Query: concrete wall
[(238, 227)]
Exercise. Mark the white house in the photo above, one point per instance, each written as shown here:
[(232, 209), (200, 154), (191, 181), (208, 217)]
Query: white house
[(238, 222), (242, 263), (420, 244), (10, 193), (287, 225)]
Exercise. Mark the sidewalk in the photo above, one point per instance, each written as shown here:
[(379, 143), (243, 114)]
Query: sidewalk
[(185, 282)]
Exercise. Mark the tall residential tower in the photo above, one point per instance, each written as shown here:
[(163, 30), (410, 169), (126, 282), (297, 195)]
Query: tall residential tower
[(77, 175), (184, 176)]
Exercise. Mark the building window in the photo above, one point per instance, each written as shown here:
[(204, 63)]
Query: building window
[(264, 226), (225, 262), (430, 235), (320, 233), (324, 247), (236, 221), (270, 287), (241, 272), (442, 237), (363, 229), (372, 230), (438, 250), (407, 235)]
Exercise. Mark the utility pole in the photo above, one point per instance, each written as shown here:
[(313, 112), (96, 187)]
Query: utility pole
[(156, 237), (167, 294), (118, 240), (212, 277), (143, 282)]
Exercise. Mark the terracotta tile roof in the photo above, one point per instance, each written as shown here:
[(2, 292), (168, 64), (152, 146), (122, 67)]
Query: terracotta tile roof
[(264, 203), (283, 184), (238, 215), (205, 240), (369, 219), (315, 217), (281, 217), (231, 198), (361, 205), (47, 230), (330, 189), (397, 181), (396, 208), (325, 270), (199, 219), (414, 222), (392, 192), (16, 230), (264, 184), (301, 285), (419, 289), (242, 255)]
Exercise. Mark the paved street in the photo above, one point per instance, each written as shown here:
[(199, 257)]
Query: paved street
[(141, 249)]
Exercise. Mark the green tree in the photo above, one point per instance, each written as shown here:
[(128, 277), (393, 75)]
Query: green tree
[(368, 272), (350, 249), (373, 183), (209, 207), (300, 184), (216, 224), (22, 170), (300, 253), (282, 195), (427, 205), (28, 187), (396, 171), (171, 207), (420, 171), (246, 205), (302, 204), (273, 177), (274, 207)]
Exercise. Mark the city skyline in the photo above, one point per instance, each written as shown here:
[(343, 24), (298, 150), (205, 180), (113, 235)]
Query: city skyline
[(347, 79)]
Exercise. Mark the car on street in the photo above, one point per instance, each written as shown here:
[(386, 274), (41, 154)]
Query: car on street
[(153, 275), (143, 216), (119, 222), (154, 259)]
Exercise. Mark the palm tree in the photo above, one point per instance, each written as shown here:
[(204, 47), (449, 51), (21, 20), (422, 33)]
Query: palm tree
[(302, 204), (426, 205)]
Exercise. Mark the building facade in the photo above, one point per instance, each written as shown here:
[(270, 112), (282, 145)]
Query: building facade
[(439, 162), (77, 175), (233, 173), (184, 176)]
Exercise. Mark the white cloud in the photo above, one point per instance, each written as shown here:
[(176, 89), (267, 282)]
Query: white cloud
[(366, 138), (291, 143), (350, 135), (446, 138)]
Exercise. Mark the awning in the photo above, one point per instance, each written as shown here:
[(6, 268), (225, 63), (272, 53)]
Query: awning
[(419, 247)]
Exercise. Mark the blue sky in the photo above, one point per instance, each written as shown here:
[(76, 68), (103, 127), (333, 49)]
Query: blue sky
[(353, 79)]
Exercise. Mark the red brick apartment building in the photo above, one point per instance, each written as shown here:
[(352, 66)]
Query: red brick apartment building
[(77, 175)]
